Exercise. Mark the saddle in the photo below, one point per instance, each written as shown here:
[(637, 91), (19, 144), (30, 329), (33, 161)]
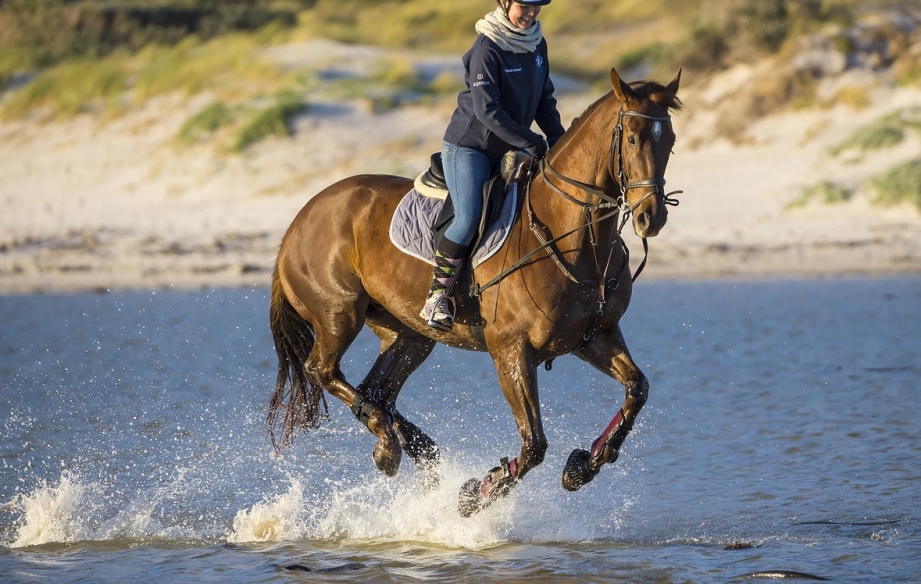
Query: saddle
[(513, 168)]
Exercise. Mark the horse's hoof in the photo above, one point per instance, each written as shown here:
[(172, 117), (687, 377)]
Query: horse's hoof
[(387, 451), (387, 460), (469, 500), (576, 474)]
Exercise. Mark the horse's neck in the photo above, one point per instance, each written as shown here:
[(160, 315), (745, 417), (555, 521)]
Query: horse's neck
[(586, 154), (584, 157)]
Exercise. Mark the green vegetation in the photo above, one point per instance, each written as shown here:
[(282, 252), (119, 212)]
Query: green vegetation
[(900, 184), (825, 192), (392, 82), (70, 87), (55, 30), (273, 120), (70, 56), (885, 132), (206, 122), (229, 64), (51, 31)]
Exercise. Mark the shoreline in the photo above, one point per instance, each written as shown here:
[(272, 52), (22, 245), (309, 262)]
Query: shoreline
[(724, 265)]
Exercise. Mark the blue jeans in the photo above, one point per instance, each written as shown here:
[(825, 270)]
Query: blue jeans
[(466, 171)]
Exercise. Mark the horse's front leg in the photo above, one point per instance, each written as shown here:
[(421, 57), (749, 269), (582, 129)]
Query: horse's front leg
[(608, 352), (517, 369)]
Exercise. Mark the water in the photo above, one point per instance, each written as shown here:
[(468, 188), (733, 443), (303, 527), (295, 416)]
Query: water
[(781, 433)]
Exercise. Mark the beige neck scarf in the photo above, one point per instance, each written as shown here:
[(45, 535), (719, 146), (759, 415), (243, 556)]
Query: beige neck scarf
[(500, 30)]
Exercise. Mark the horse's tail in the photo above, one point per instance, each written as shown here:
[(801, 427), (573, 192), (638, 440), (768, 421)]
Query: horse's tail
[(296, 402)]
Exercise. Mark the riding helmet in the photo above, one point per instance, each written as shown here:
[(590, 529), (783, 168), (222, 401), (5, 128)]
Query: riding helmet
[(506, 3)]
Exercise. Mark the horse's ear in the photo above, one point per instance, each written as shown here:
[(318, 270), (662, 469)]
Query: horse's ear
[(672, 86), (623, 91)]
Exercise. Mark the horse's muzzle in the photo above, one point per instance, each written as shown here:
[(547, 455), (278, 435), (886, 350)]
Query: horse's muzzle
[(648, 222)]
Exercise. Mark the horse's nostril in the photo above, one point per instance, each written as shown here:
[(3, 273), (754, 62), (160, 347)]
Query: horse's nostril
[(642, 221)]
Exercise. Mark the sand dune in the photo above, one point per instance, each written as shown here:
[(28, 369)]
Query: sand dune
[(90, 204)]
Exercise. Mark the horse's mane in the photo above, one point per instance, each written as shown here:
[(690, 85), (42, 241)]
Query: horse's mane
[(651, 90)]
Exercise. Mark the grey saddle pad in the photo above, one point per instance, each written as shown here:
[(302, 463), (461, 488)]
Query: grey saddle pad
[(411, 226)]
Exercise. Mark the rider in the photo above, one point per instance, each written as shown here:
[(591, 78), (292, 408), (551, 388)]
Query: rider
[(508, 87)]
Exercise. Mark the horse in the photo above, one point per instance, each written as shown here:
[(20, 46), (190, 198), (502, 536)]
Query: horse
[(560, 285)]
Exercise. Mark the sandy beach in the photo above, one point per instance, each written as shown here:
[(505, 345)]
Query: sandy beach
[(94, 204)]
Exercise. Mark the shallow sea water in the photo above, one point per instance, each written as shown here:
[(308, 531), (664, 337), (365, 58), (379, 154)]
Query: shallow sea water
[(781, 433)]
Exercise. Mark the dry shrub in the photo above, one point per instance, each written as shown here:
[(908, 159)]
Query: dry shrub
[(855, 97), (907, 66)]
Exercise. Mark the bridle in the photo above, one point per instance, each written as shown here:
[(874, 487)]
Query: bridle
[(617, 172), (617, 205)]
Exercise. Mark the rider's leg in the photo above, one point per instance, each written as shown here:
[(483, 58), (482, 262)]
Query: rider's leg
[(466, 171)]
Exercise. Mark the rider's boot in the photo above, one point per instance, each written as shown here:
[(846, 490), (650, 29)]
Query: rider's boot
[(438, 310)]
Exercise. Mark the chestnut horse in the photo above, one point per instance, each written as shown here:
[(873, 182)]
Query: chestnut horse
[(560, 285)]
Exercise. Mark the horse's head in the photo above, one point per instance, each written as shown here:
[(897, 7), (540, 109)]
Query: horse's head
[(643, 140)]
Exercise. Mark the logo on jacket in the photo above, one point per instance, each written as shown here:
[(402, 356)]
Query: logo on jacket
[(480, 81), (540, 64)]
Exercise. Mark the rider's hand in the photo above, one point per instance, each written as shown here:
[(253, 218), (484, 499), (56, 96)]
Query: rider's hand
[(538, 150)]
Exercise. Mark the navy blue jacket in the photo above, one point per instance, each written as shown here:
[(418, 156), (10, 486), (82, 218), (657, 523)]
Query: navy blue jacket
[(505, 93)]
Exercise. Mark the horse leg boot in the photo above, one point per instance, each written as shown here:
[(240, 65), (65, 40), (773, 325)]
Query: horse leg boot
[(402, 351), (438, 310), (608, 353), (380, 421)]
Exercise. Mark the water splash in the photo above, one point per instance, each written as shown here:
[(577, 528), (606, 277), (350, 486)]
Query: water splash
[(271, 520), (136, 519), (50, 514), (399, 509)]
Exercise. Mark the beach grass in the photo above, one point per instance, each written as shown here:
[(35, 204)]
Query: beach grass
[(273, 120), (826, 192), (229, 65), (885, 132), (900, 184), (203, 124), (69, 88)]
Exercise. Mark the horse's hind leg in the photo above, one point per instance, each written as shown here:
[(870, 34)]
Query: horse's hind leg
[(607, 352), (402, 352), (334, 333)]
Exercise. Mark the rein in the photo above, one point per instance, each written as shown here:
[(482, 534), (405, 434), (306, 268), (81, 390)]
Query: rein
[(607, 202)]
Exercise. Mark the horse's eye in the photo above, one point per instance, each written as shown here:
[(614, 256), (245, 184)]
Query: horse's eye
[(631, 140)]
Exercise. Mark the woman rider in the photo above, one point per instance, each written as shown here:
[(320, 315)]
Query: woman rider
[(508, 87)]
